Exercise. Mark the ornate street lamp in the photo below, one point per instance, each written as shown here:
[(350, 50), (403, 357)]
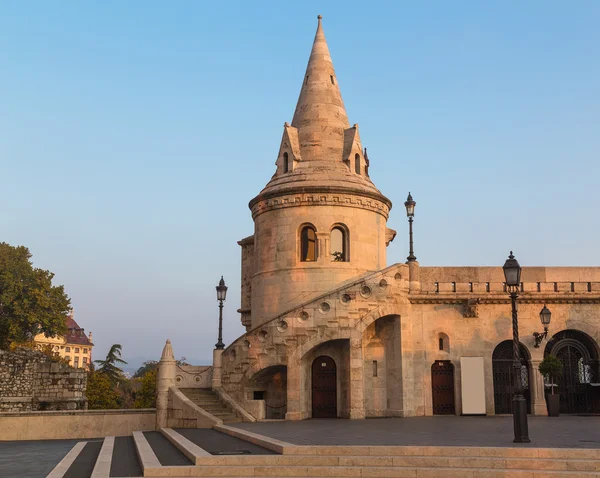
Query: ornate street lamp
[(512, 275), (221, 294), (410, 213), (545, 317)]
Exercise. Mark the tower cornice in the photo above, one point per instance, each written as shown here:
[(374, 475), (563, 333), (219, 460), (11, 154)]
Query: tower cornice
[(297, 196)]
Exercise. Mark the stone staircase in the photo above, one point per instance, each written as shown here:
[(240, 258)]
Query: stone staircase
[(211, 403), (338, 461)]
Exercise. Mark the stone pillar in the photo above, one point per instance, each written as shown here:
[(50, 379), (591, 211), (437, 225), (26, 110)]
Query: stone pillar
[(414, 276), (536, 387), (165, 379), (357, 384), (217, 367), (323, 247), (295, 391)]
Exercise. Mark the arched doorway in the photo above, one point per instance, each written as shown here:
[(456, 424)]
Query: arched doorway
[(270, 385), (324, 388), (579, 356), (442, 387), (503, 375)]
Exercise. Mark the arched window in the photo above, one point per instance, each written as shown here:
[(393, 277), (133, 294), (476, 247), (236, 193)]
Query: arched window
[(443, 342), (357, 163), (339, 244), (285, 163), (308, 244)]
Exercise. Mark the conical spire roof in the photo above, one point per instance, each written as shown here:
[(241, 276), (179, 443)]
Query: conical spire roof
[(320, 115), (320, 147)]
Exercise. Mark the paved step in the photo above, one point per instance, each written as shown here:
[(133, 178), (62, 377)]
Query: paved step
[(340, 471)]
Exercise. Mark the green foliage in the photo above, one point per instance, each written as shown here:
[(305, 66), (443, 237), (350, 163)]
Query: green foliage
[(146, 367), (100, 392), (145, 397), (550, 367), (29, 303), (338, 256), (109, 366)]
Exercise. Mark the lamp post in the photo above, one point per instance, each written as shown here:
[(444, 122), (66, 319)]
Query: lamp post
[(545, 317), (221, 294), (512, 275), (410, 213)]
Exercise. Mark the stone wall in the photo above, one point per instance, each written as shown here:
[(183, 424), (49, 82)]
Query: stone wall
[(30, 381), (74, 424)]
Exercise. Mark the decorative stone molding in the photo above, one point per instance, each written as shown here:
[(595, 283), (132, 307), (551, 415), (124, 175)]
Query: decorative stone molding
[(471, 308), (321, 198)]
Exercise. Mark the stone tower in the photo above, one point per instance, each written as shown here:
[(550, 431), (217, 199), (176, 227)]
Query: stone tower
[(320, 221)]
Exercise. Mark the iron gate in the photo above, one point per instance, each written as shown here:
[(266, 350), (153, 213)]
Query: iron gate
[(503, 374)]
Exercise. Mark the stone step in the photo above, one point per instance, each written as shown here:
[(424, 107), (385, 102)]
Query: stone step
[(355, 471), (403, 462)]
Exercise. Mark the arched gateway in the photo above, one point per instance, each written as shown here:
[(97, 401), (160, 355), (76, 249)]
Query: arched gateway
[(578, 353), (503, 374)]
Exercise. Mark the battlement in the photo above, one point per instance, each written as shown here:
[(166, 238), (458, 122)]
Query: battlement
[(490, 280)]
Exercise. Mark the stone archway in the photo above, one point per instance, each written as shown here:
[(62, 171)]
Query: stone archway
[(503, 376), (270, 385), (383, 367), (579, 355)]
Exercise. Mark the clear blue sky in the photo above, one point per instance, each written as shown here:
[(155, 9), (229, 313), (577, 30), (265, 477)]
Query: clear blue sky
[(133, 135)]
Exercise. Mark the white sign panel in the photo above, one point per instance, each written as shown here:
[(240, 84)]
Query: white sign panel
[(472, 385)]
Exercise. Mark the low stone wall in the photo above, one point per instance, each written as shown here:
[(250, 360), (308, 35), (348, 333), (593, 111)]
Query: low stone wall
[(75, 424), (30, 380)]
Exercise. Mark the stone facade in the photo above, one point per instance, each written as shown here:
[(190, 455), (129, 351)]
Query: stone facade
[(333, 331), (30, 381)]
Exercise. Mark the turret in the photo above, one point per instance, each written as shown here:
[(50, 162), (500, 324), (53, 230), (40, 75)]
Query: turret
[(320, 220)]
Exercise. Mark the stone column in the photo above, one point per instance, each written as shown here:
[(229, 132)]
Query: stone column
[(323, 247), (536, 387), (357, 384), (217, 367), (295, 390), (165, 379), (414, 276)]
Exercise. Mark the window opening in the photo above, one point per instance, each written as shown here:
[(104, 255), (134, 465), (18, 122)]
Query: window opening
[(357, 163), (308, 243), (338, 245), (374, 368), (285, 163), (441, 343)]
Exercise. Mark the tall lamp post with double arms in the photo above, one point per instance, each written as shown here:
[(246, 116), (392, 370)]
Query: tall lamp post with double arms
[(512, 275), (221, 294)]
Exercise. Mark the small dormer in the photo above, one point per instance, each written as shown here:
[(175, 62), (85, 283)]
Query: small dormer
[(289, 151), (354, 157)]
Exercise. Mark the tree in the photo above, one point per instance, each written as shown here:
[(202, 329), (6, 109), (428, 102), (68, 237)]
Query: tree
[(29, 303), (145, 397), (100, 392), (149, 365), (550, 367), (109, 366), (146, 367)]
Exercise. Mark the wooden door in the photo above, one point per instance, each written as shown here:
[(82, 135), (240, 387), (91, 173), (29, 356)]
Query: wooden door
[(442, 387), (324, 388)]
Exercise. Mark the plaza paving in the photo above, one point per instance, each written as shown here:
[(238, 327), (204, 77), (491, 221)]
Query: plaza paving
[(544, 432), (32, 459)]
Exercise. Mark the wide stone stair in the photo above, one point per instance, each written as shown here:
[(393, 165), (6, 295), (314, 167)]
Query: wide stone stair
[(211, 403), (230, 452)]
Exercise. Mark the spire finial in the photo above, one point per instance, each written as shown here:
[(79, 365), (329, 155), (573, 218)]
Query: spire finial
[(320, 115), (320, 17)]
